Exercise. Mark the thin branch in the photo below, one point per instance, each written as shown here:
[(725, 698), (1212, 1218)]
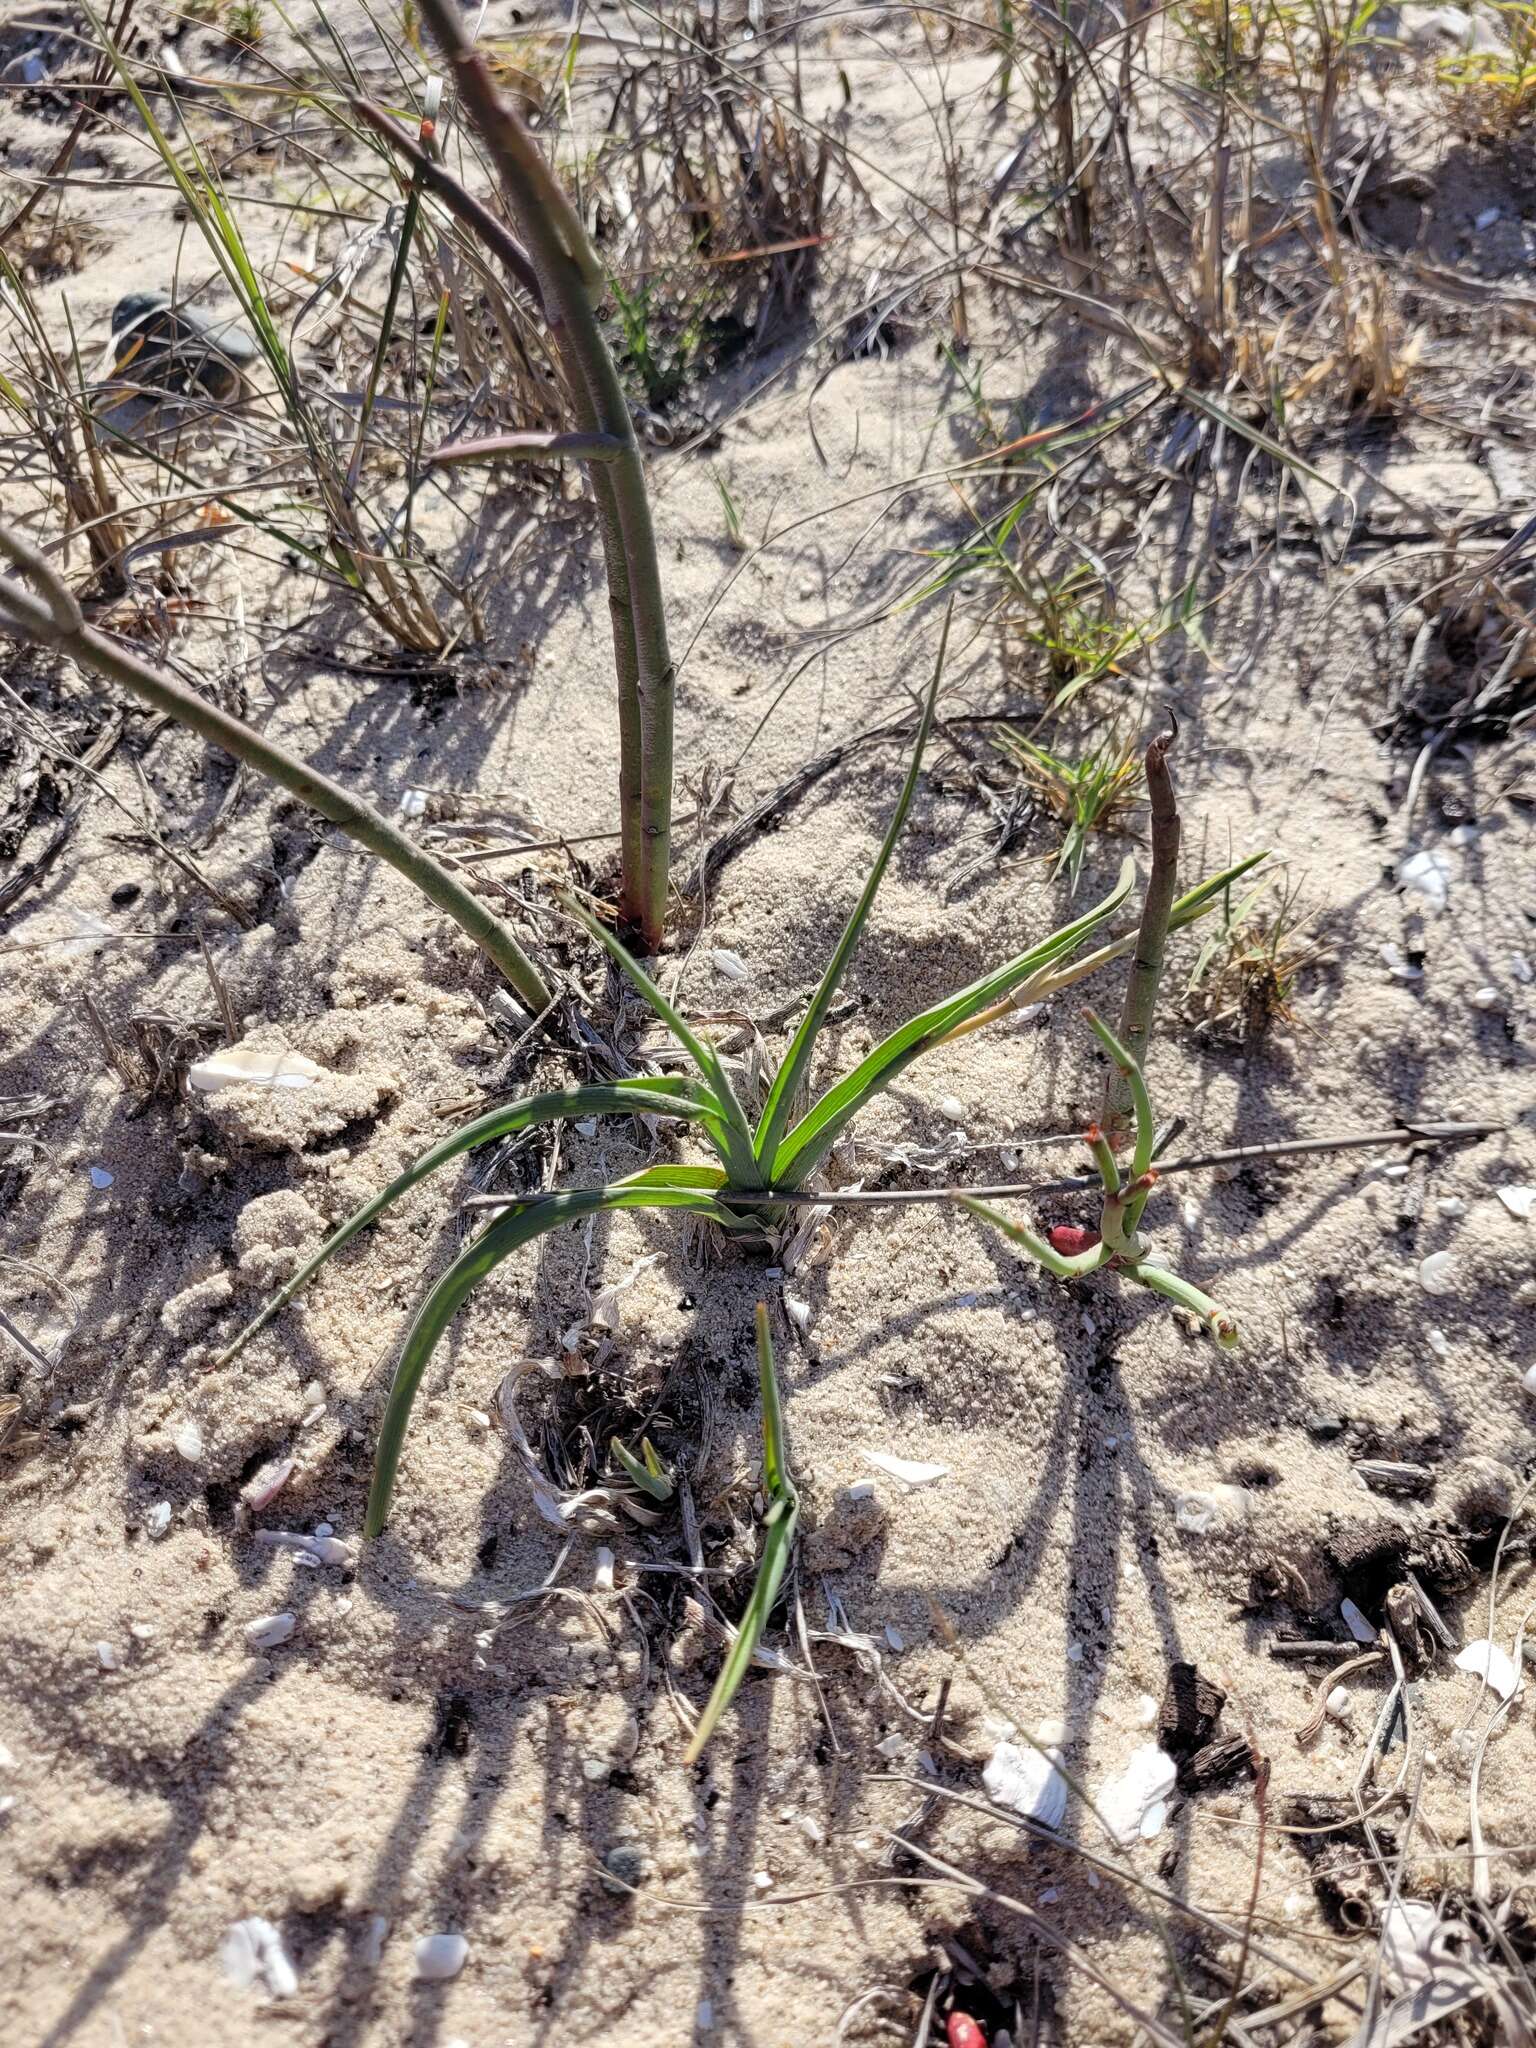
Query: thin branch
[(873, 1198)]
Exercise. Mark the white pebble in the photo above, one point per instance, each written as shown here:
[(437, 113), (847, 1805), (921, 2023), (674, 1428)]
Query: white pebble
[(1438, 1342), (100, 1178), (158, 1520), (1338, 1703), (188, 1441), (107, 1657), (1484, 998), (439, 1957), (894, 1639), (952, 1109), (1451, 1205), (1436, 1274), (1521, 968), (1427, 874), (1483, 221), (269, 1630), (1136, 1801)]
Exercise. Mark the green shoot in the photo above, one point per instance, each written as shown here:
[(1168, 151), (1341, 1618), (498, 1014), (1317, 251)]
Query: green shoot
[(646, 1471), (1095, 794), (1116, 1247), (778, 1542)]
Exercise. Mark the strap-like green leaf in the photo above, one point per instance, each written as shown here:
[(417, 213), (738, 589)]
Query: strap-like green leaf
[(778, 1542), (736, 1148), (653, 1189), (804, 1148), (796, 1062), (642, 1096)]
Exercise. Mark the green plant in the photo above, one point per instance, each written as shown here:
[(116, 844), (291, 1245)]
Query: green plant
[(243, 23), (661, 360), (1245, 975), (1095, 794), (1116, 1247), (755, 1163), (783, 1512), (1499, 84)]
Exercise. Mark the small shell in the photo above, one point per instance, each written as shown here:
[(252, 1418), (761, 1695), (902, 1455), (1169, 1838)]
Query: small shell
[(269, 1630), (729, 965), (1519, 1201), (370, 1949), (245, 1067), (952, 1109), (1484, 998), (1437, 1273), (265, 1485), (1027, 1782), (439, 1957), (1136, 1801), (158, 1520), (107, 1657), (910, 1470), (602, 1577), (1486, 1660), (1338, 1703), (1356, 1622), (253, 1949), (101, 1178), (188, 1441)]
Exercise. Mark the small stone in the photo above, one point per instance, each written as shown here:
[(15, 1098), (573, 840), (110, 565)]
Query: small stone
[(269, 1630), (623, 1868), (439, 1957), (1436, 1275), (1484, 998)]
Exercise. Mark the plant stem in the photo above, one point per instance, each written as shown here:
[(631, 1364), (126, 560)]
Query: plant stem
[(56, 620), (570, 281), (1140, 1008)]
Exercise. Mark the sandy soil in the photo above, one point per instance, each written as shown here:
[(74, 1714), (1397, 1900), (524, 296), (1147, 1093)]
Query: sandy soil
[(432, 1750)]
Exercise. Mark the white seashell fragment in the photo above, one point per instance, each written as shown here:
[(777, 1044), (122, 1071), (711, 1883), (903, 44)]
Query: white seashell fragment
[(1027, 1782), (243, 1067), (1518, 1201), (1436, 1274), (952, 1109), (269, 1630), (158, 1520), (1356, 1622), (1484, 998), (1197, 1513), (321, 1549), (1136, 1802), (439, 1957), (1438, 1342), (101, 1178), (1486, 1660), (864, 1489), (1407, 1942), (606, 1312), (252, 1951), (107, 1657), (413, 803), (188, 1441), (728, 964), (895, 1641), (1450, 1205), (798, 1311), (1528, 1379), (265, 1485), (1398, 966), (370, 1949), (911, 1470), (1427, 874), (1337, 1703), (602, 1578), (1521, 968)]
